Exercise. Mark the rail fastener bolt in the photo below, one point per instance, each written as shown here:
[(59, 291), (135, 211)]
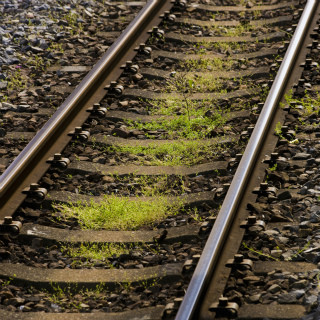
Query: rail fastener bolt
[(206, 226), (224, 308), (156, 32), (171, 308), (114, 89), (220, 192), (97, 110), (168, 17), (35, 193), (10, 227), (129, 67), (190, 264), (142, 49), (313, 45), (80, 134), (234, 161), (59, 162), (181, 4), (238, 262), (252, 224)]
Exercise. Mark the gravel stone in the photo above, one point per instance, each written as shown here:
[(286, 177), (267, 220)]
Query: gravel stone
[(291, 297), (284, 195), (311, 300), (301, 156), (274, 288), (254, 298), (122, 132), (276, 253), (300, 284)]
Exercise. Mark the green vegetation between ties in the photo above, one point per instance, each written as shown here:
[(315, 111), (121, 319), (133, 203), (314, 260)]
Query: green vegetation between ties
[(95, 251), (221, 47), (190, 82), (259, 253), (16, 79), (89, 253), (278, 129), (306, 105), (150, 186), (171, 154), (233, 31), (197, 127), (68, 297), (204, 63), (193, 119), (179, 107), (120, 213)]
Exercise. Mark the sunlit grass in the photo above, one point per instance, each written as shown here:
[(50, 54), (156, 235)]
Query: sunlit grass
[(95, 251), (171, 154), (120, 213)]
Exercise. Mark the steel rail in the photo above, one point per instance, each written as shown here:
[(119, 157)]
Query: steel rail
[(210, 255), (73, 112)]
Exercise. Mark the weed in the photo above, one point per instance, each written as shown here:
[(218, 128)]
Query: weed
[(235, 31), (170, 154), (231, 46), (190, 120), (127, 286), (95, 251), (278, 130), (307, 245), (16, 79), (156, 186), (306, 106), (274, 167), (185, 86), (195, 215), (149, 186), (5, 283), (203, 63), (120, 213), (38, 63), (197, 127), (71, 298), (174, 106), (58, 293), (56, 47), (257, 14), (260, 253)]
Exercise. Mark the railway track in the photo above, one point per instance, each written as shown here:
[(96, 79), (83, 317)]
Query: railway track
[(116, 200)]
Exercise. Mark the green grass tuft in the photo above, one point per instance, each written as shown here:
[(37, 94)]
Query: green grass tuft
[(171, 154), (95, 251), (120, 213)]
